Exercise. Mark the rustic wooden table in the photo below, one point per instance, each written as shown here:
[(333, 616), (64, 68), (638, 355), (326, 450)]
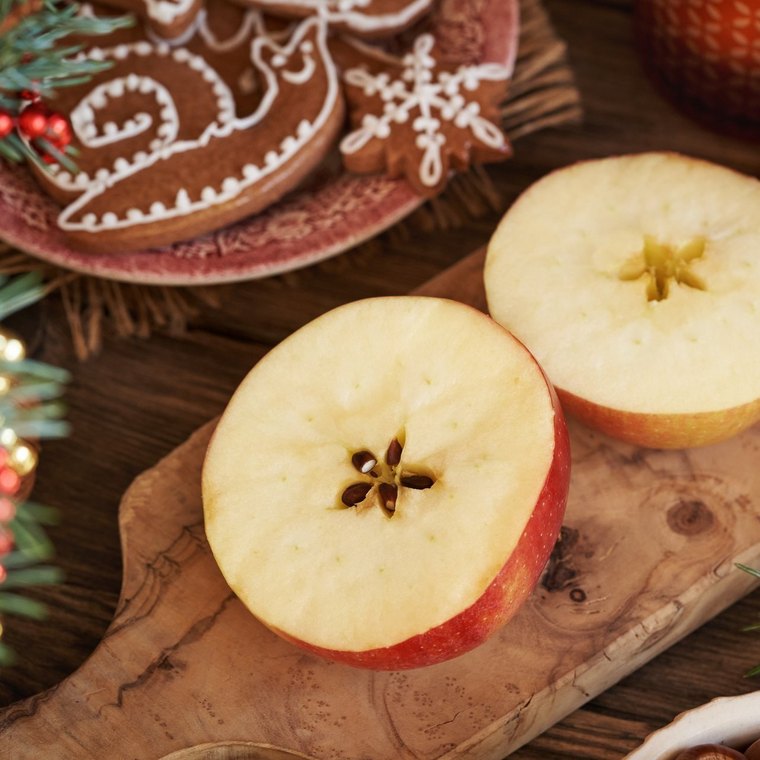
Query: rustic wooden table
[(140, 398)]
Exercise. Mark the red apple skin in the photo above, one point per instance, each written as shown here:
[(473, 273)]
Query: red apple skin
[(662, 431), (504, 596)]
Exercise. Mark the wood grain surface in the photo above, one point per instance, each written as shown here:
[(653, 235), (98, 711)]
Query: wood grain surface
[(139, 399), (647, 553)]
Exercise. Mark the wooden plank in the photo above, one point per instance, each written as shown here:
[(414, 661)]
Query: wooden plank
[(648, 552)]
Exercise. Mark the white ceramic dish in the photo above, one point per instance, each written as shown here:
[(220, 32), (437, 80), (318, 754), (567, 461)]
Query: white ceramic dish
[(733, 721)]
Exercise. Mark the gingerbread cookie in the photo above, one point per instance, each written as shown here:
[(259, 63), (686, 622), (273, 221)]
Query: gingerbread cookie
[(421, 119), (366, 18), (178, 156)]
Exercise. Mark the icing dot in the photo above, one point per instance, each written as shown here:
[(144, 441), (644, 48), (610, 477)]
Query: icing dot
[(278, 60), (95, 54), (251, 172), (197, 64), (208, 194), (121, 164), (110, 128), (121, 52), (89, 220), (167, 113), (382, 130), (82, 179), (307, 46), (83, 113), (143, 48), (181, 55), (225, 117), (134, 214), (230, 185), (132, 82), (271, 158), (162, 48), (102, 174), (209, 75), (182, 200), (139, 157), (165, 130), (64, 177), (157, 208), (89, 131), (116, 88), (156, 145), (304, 128), (98, 99), (109, 219), (289, 144), (146, 86), (223, 103), (400, 116)]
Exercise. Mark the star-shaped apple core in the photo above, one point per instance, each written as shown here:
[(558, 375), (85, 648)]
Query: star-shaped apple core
[(386, 479), (662, 263)]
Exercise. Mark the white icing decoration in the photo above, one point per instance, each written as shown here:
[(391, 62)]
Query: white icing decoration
[(250, 173), (167, 11), (309, 66), (183, 199), (421, 87), (157, 208), (109, 219), (350, 13), (84, 115), (134, 214)]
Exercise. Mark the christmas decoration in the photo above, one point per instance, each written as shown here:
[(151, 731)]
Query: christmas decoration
[(33, 64), (29, 411)]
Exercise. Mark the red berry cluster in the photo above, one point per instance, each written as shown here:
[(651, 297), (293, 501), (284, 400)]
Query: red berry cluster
[(10, 482), (37, 122)]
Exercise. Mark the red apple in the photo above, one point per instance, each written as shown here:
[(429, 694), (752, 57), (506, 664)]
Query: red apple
[(635, 281), (387, 484)]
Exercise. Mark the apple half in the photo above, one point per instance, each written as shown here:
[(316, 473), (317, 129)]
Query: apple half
[(387, 484), (635, 281)]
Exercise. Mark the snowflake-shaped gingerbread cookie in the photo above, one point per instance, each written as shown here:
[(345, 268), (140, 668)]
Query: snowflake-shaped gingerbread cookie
[(423, 119)]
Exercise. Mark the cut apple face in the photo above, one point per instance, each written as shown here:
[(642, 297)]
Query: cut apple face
[(635, 281), (387, 484)]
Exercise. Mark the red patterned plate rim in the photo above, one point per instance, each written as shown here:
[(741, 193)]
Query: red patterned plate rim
[(302, 229)]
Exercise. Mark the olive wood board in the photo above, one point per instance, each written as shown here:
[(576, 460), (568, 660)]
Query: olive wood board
[(647, 555)]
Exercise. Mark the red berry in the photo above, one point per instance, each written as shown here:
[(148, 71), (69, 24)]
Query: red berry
[(9, 481), (3, 574), (7, 509), (6, 124), (6, 542), (33, 121), (31, 95), (59, 130)]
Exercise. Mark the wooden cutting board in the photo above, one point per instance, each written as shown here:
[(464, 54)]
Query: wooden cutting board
[(647, 555)]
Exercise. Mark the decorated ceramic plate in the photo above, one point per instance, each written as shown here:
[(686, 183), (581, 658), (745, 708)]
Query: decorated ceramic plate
[(336, 212)]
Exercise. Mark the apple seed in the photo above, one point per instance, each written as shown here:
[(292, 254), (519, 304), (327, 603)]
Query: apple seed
[(393, 455), (364, 461), (388, 495), (355, 494), (418, 482)]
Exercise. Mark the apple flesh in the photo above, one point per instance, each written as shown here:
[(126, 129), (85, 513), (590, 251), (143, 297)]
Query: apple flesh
[(635, 281), (386, 485)]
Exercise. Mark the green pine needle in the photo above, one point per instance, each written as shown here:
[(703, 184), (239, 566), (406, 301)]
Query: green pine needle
[(14, 604), (748, 569), (755, 573), (7, 656)]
